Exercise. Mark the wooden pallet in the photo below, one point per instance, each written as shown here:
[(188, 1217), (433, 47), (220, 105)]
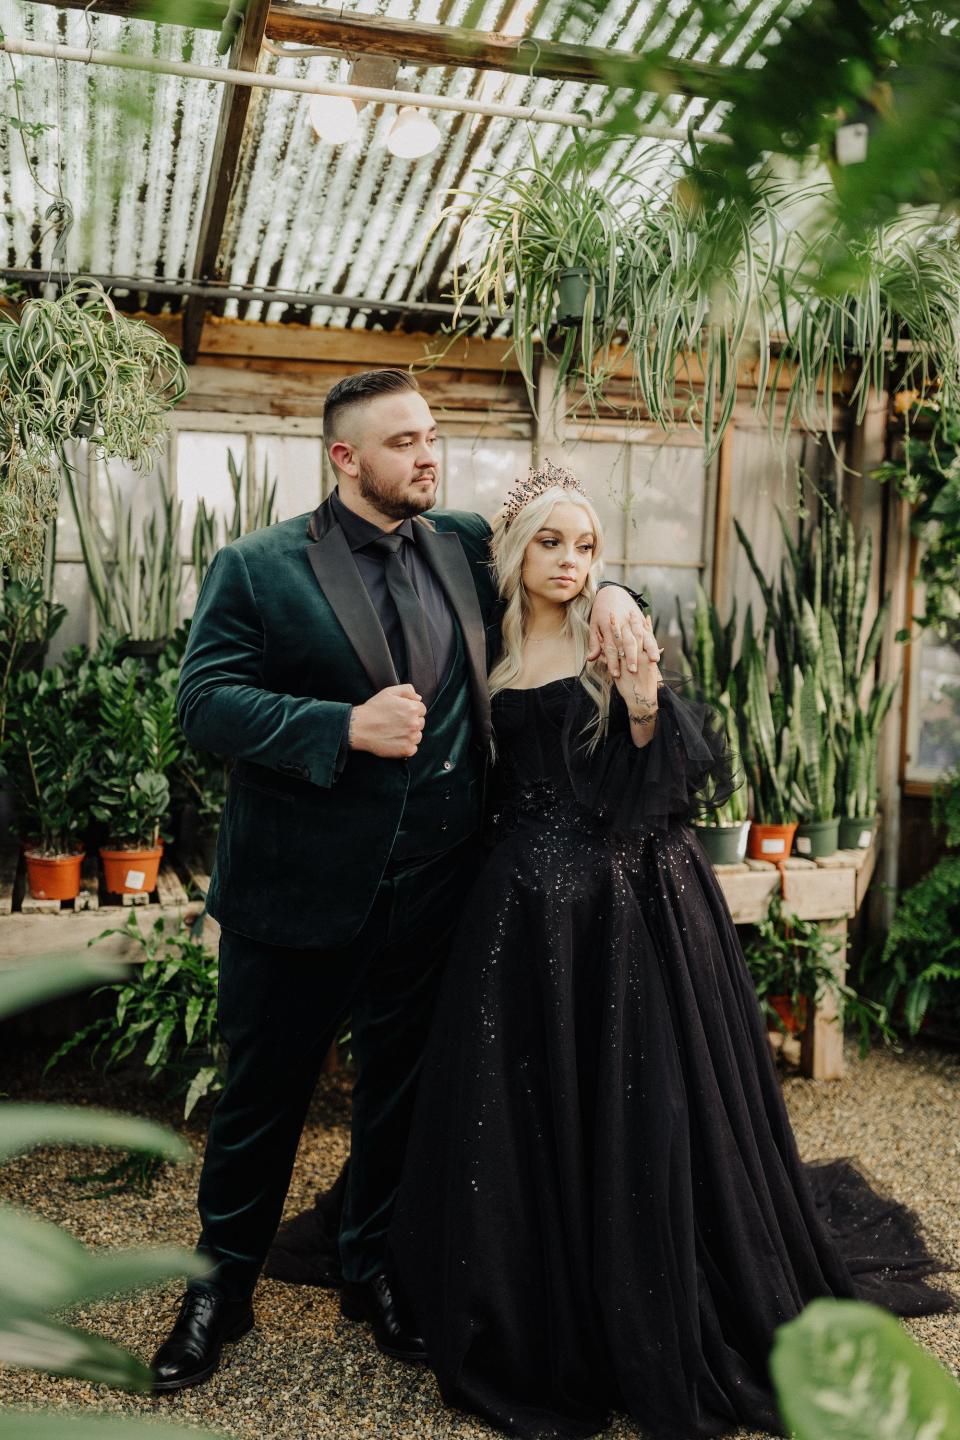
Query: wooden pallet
[(30, 926)]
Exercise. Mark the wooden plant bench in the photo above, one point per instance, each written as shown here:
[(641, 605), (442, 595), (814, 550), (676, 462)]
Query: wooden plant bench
[(829, 890), (31, 927)]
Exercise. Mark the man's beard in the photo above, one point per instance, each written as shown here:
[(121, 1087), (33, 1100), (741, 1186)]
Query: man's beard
[(394, 506)]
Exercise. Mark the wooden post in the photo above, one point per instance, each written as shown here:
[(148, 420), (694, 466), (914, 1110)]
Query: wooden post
[(722, 526), (821, 1046), (551, 421)]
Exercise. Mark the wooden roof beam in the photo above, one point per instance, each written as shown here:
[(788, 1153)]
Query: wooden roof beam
[(413, 43), (223, 168), (355, 34)]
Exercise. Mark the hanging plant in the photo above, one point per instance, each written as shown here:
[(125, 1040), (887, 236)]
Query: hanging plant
[(541, 243), (690, 290), (74, 369)]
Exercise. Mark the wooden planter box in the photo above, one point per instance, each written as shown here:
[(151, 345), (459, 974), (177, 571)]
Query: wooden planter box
[(829, 890)]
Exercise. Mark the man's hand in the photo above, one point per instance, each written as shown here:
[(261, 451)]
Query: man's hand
[(619, 631), (389, 724)]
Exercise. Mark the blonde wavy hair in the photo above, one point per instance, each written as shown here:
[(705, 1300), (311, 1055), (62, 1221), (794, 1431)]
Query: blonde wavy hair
[(507, 548)]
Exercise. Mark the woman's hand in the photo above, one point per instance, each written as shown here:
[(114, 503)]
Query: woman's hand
[(619, 632), (639, 691)]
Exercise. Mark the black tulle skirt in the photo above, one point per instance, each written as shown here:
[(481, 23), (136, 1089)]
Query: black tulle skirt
[(603, 1206)]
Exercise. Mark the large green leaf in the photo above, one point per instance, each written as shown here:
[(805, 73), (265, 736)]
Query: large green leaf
[(40, 1344), (44, 1269), (845, 1370), (62, 1425), (24, 985), (23, 1127)]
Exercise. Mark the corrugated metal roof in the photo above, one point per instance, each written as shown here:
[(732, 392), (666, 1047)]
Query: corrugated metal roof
[(134, 150)]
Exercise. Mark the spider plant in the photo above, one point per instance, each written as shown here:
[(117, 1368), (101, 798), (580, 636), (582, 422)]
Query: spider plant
[(74, 369), (522, 232)]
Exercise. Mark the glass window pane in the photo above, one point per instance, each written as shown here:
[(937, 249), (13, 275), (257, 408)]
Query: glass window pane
[(663, 587), (937, 746), (70, 588), (202, 474), (480, 472), (601, 468), (294, 463), (667, 503)]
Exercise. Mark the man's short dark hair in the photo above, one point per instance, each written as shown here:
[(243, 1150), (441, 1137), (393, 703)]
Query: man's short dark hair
[(357, 390)]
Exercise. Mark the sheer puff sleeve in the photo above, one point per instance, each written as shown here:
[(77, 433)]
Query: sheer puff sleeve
[(683, 774)]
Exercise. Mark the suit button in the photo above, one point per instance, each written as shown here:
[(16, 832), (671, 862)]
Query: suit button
[(443, 824), (448, 764)]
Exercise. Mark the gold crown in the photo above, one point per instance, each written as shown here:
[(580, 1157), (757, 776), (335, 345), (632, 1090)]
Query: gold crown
[(546, 477)]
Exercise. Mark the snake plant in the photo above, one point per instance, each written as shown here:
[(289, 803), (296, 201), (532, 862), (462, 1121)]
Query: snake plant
[(816, 747), (707, 658), (74, 369), (771, 750)]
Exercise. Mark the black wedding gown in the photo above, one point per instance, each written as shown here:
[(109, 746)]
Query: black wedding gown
[(603, 1206)]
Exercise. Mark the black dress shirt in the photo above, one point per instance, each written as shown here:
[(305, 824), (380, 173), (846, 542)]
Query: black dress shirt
[(370, 562)]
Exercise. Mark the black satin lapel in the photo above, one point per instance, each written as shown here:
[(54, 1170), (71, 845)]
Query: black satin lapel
[(339, 579), (452, 568)]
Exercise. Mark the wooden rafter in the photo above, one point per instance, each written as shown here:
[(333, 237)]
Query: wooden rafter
[(412, 42), (223, 168)]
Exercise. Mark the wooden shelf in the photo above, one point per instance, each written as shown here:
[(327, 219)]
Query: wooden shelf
[(830, 891), (30, 927)]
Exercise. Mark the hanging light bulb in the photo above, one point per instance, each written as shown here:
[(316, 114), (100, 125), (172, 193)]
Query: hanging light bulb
[(413, 134), (333, 117)]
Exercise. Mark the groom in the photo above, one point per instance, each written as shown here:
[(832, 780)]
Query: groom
[(339, 659)]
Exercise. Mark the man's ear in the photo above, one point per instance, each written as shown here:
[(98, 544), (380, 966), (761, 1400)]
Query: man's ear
[(342, 457)]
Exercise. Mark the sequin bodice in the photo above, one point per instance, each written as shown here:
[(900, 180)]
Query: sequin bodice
[(530, 779)]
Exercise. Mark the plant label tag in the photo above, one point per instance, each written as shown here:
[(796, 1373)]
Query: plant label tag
[(772, 847), (865, 837), (804, 844), (134, 879), (742, 843)]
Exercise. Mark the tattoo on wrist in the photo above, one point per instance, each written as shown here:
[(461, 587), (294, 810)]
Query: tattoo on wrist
[(643, 701), (641, 720)]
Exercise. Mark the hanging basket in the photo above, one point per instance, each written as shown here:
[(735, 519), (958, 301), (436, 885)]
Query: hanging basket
[(573, 285)]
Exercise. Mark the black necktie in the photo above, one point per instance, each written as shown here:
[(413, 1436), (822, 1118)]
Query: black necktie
[(421, 669)]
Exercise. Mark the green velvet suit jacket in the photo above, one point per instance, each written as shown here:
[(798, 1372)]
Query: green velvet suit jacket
[(284, 640)]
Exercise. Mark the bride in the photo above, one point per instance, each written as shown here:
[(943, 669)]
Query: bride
[(603, 1206)]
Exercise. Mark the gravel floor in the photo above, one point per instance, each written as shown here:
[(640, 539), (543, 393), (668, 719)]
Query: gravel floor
[(304, 1372)]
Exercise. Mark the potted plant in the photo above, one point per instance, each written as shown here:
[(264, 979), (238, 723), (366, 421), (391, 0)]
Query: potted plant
[(706, 657), (74, 369), (818, 830), (48, 761), (141, 742), (770, 756), (857, 779), (542, 242), (28, 621), (793, 964)]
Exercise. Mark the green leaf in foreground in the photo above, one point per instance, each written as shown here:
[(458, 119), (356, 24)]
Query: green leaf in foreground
[(60, 1425), (43, 979), (845, 1370), (24, 1127)]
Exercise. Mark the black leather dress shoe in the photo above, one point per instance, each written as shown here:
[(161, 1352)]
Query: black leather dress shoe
[(376, 1302), (191, 1352)]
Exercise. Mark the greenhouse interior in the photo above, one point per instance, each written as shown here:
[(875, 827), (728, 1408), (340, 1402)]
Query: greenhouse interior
[(422, 972)]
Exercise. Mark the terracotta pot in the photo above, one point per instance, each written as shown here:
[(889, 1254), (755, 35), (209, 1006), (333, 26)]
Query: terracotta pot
[(131, 872), (770, 842), (794, 1017), (54, 877)]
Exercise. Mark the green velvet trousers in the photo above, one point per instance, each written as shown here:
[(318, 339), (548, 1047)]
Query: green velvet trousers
[(279, 1012)]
